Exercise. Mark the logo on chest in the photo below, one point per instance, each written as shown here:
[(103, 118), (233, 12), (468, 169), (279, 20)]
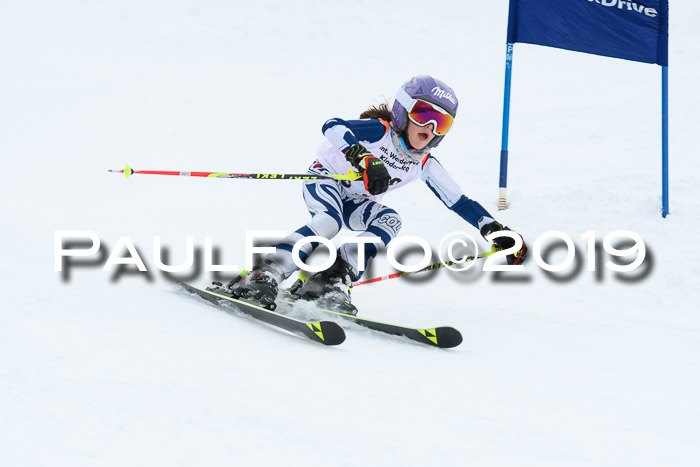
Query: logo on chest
[(395, 161)]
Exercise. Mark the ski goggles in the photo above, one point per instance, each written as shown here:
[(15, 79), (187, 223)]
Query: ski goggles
[(423, 112)]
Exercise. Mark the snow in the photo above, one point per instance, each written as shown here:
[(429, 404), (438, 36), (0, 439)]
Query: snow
[(109, 369)]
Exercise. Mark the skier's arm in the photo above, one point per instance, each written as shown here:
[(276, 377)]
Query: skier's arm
[(445, 188), (346, 133)]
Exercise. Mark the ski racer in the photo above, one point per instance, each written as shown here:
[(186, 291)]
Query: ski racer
[(390, 148)]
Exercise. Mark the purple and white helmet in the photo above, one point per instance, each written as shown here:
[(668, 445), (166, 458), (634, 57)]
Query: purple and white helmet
[(426, 88)]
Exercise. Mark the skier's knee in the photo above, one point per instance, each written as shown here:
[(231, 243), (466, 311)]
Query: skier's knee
[(389, 221), (325, 225)]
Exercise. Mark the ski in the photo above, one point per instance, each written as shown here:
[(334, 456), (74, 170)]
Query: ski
[(444, 337), (324, 332)]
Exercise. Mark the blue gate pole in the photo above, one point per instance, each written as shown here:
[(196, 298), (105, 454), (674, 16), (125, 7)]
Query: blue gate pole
[(503, 178), (664, 141)]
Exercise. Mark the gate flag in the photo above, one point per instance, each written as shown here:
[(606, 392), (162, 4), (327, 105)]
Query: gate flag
[(628, 29), (634, 30)]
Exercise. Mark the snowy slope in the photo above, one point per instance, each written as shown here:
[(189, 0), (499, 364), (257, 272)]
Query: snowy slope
[(103, 370)]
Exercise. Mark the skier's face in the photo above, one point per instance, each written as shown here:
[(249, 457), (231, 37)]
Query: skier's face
[(419, 136)]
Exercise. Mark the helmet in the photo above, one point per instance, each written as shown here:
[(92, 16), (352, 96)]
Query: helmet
[(426, 88)]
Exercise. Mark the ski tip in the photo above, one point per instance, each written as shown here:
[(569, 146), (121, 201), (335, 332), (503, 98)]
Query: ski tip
[(448, 337), (444, 337), (327, 332)]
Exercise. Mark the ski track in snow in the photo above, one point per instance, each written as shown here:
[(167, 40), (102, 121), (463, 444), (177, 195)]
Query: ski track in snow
[(95, 370)]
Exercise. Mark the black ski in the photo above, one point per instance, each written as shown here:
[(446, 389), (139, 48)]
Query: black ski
[(444, 337), (325, 332)]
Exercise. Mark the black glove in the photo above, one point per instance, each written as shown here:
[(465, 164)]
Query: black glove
[(503, 243), (373, 170)]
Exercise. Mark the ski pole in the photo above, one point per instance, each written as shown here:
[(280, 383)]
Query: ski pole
[(432, 267), (351, 175)]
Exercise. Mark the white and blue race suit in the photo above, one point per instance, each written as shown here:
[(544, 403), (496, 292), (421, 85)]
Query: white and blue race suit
[(334, 204)]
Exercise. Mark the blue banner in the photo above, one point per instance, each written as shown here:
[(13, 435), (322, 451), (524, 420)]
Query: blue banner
[(633, 30)]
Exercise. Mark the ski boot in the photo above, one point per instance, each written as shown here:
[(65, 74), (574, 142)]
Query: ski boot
[(261, 285), (330, 289)]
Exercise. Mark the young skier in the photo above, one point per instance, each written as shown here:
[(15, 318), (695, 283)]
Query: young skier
[(390, 148)]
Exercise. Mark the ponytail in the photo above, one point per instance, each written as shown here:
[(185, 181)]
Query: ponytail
[(380, 111)]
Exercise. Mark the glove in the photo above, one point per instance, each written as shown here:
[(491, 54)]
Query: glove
[(373, 170), (503, 243)]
